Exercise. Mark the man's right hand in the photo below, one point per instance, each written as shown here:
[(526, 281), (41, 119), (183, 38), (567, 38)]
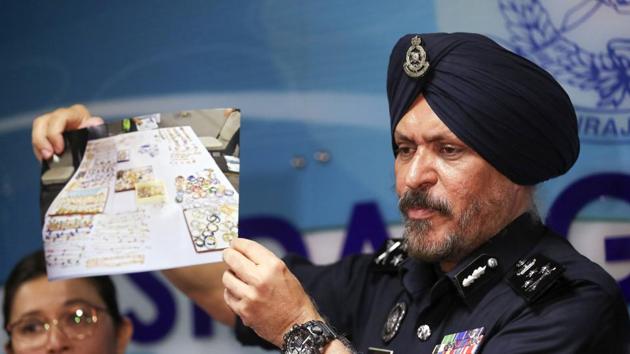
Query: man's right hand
[(47, 130)]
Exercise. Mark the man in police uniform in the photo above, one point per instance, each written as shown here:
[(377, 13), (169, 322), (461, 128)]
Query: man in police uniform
[(474, 128)]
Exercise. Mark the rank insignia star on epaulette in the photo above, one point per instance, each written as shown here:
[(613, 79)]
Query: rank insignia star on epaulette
[(391, 255), (533, 276)]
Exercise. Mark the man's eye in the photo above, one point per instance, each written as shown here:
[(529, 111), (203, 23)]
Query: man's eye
[(404, 151), (449, 150)]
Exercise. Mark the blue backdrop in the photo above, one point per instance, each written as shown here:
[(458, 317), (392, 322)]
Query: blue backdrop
[(309, 77)]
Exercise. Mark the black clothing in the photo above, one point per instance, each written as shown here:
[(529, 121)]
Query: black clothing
[(579, 310)]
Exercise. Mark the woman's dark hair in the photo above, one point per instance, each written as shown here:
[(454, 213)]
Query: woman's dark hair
[(34, 266)]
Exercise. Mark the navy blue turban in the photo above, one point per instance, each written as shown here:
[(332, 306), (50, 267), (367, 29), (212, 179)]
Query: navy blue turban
[(506, 108)]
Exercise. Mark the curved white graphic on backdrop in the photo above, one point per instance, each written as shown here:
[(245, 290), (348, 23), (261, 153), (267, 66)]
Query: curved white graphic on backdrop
[(366, 110)]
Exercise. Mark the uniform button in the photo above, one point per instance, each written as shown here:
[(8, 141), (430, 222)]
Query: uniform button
[(424, 332), (492, 262)]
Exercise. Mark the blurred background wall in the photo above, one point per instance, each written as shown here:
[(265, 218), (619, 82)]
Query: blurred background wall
[(309, 78)]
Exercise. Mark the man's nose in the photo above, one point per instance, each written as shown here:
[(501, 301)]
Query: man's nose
[(421, 173)]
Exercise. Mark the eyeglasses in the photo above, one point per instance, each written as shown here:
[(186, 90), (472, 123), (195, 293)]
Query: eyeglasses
[(76, 322)]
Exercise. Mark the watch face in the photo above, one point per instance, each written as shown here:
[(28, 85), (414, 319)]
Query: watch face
[(308, 338), (300, 342)]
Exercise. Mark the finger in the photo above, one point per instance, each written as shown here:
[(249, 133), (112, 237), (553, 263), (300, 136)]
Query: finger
[(92, 121), (41, 146), (75, 116), (236, 286), (256, 252), (63, 119), (242, 267), (38, 154), (231, 300), (56, 126)]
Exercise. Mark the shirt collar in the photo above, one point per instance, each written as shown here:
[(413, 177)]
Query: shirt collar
[(483, 268)]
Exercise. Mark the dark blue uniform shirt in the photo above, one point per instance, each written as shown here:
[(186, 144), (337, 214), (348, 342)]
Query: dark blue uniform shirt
[(527, 290)]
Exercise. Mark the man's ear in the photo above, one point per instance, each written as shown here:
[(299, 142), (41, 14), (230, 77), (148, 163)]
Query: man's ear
[(123, 336)]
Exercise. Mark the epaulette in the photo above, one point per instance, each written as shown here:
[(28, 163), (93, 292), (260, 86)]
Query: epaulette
[(533, 276), (390, 256)]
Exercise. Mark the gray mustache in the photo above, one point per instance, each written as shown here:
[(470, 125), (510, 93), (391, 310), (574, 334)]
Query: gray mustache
[(414, 199)]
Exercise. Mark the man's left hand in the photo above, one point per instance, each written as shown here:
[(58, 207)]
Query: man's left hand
[(262, 291)]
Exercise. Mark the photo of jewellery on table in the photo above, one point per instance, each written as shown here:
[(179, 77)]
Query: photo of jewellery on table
[(150, 192)]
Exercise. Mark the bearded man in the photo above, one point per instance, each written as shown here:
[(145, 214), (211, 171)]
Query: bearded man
[(474, 129)]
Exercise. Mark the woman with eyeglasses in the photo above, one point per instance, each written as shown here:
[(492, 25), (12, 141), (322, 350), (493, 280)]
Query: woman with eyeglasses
[(63, 316)]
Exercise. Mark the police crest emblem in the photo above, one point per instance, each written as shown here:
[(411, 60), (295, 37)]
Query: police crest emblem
[(416, 63), (395, 317)]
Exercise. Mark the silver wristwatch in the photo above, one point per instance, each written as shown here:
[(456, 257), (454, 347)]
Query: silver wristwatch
[(308, 338)]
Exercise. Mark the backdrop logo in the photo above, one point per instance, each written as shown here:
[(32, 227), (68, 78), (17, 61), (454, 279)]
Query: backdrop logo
[(566, 39)]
